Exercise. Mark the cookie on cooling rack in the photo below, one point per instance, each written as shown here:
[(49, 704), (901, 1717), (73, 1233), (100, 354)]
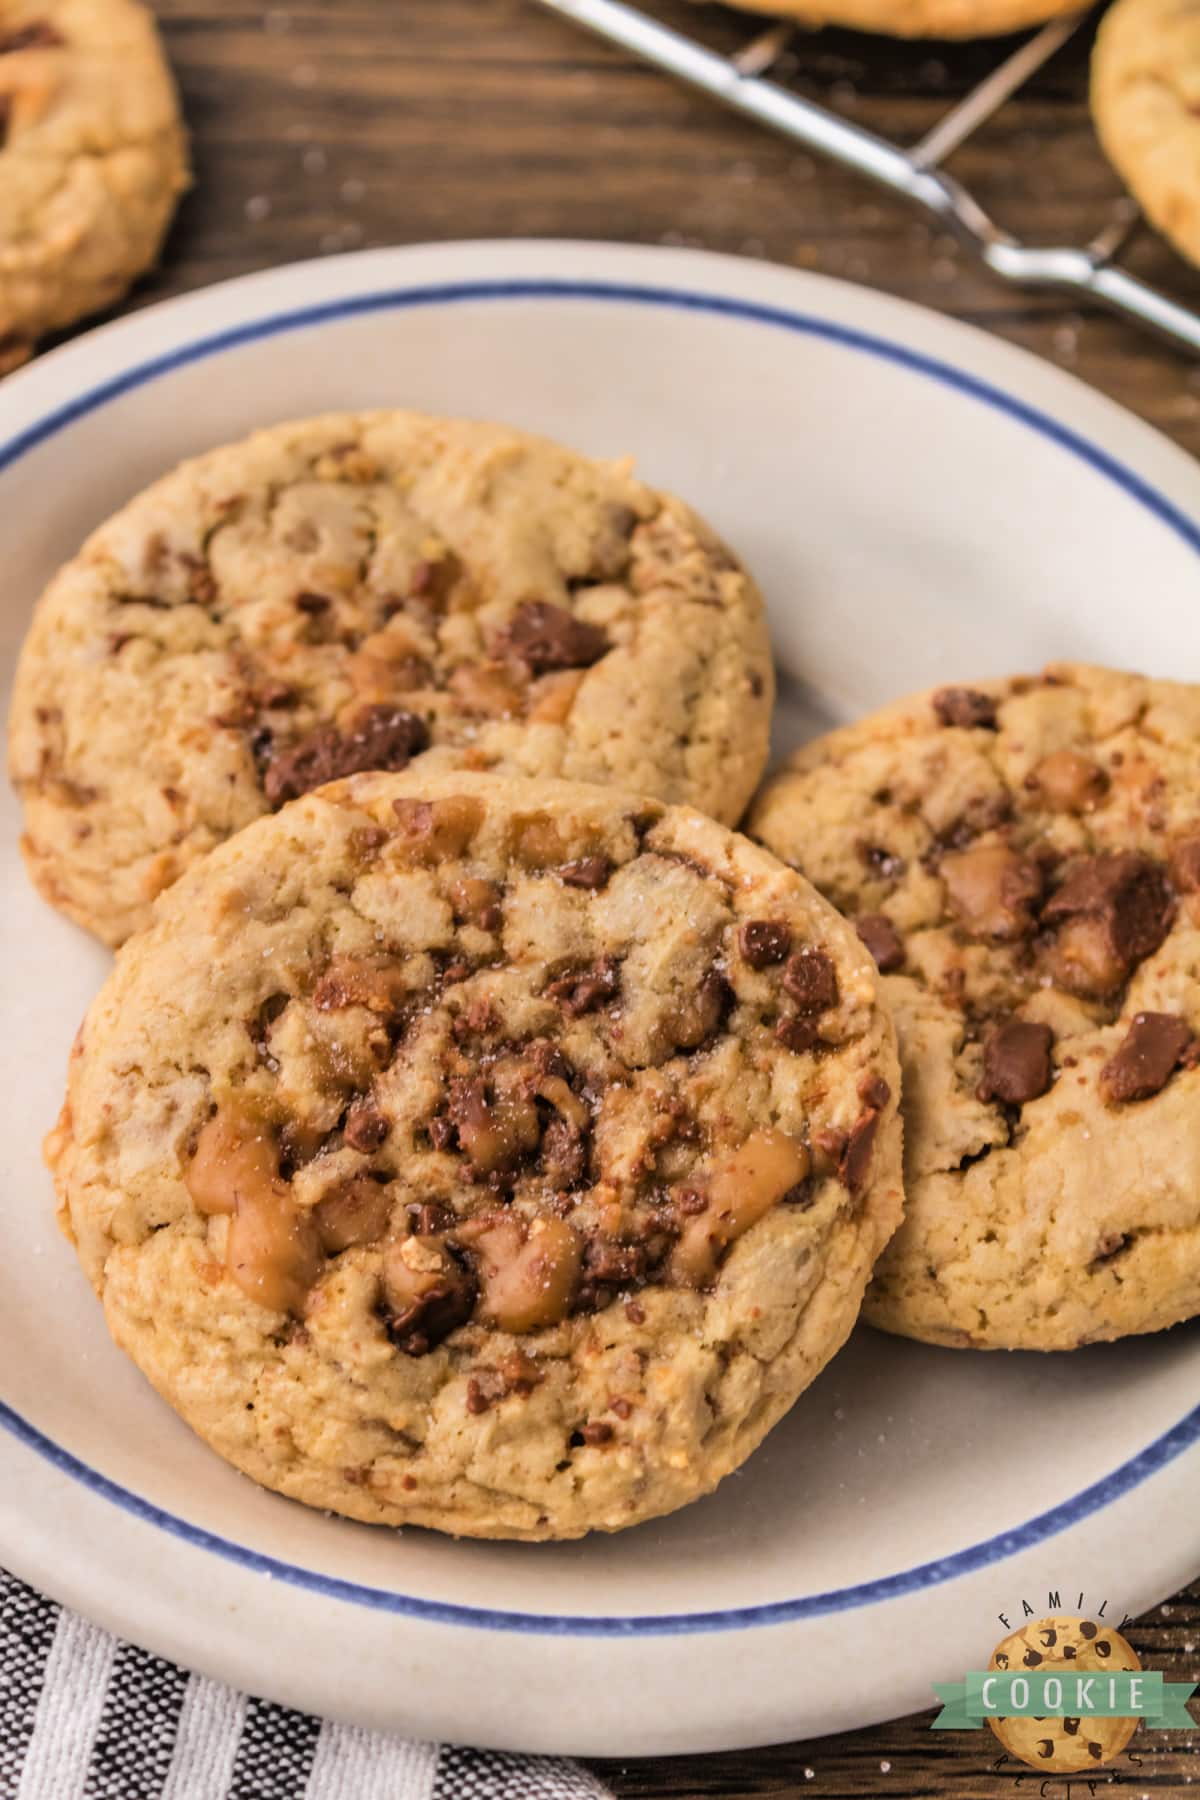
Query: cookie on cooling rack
[(92, 160), (355, 591), (1023, 860), (492, 1155), (918, 18), (1145, 81)]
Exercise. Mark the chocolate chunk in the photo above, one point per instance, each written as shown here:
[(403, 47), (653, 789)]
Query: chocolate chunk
[(882, 862), (547, 637), (382, 737), (446, 1304), (442, 1133), (365, 1128), (1111, 912), (874, 1091), (434, 580), (587, 872), (702, 1012), (587, 988), (811, 980), (40, 35), (764, 941), (596, 1431), (965, 707), (796, 1034), (1087, 1629), (484, 1389), (1016, 1062), (428, 1217), (564, 1154), (1152, 1050), (313, 604), (855, 1164), (9, 345), (609, 1266), (1183, 864), (882, 940)]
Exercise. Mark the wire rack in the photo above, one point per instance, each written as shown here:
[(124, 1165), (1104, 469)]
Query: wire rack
[(742, 82)]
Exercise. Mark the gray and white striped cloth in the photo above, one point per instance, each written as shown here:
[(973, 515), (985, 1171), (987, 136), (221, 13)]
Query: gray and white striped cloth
[(86, 1717)]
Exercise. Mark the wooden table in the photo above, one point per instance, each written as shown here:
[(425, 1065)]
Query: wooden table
[(325, 125)]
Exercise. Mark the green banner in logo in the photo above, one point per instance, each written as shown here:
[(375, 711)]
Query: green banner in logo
[(1059, 1694)]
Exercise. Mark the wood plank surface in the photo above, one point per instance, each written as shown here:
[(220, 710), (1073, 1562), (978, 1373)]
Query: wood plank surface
[(326, 125)]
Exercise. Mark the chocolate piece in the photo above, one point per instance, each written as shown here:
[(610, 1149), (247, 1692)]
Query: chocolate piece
[(855, 1164), (1148, 1056), (365, 1128), (588, 988), (549, 637), (1183, 862), (966, 708), (382, 737), (764, 941), (874, 1091), (882, 862), (811, 980), (1016, 1062), (882, 940), (590, 872), (1111, 912), (564, 1154), (796, 1034), (422, 1308), (597, 1431)]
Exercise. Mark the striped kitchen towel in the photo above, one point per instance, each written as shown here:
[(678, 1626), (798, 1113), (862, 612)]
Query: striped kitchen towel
[(86, 1717)]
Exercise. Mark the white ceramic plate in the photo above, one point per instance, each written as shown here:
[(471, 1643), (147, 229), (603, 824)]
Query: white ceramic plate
[(921, 504)]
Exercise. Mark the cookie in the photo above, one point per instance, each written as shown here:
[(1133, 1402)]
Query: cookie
[(493, 1155), (918, 18), (92, 160), (1064, 1746), (1145, 84), (1023, 859), (354, 591)]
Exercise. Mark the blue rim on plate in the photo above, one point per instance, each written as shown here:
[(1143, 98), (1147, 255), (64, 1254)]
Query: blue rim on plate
[(1130, 1474)]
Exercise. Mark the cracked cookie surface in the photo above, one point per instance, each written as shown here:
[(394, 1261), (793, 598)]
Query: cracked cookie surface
[(440, 1155), (92, 160), (1145, 97), (1023, 860), (355, 591)]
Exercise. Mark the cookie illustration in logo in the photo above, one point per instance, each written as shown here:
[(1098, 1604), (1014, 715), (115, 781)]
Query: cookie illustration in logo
[(1064, 1746)]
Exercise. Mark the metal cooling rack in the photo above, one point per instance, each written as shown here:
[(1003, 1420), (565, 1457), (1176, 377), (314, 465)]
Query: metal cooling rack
[(1090, 272)]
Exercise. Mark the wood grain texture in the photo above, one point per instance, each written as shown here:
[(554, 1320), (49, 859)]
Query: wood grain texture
[(325, 125)]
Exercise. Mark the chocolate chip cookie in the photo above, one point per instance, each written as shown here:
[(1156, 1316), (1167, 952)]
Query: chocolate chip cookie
[(918, 18), (1144, 86), (493, 1155), (1022, 858), (1064, 1642), (352, 592), (92, 160)]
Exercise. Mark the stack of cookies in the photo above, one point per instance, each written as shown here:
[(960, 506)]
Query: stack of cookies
[(475, 1130)]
